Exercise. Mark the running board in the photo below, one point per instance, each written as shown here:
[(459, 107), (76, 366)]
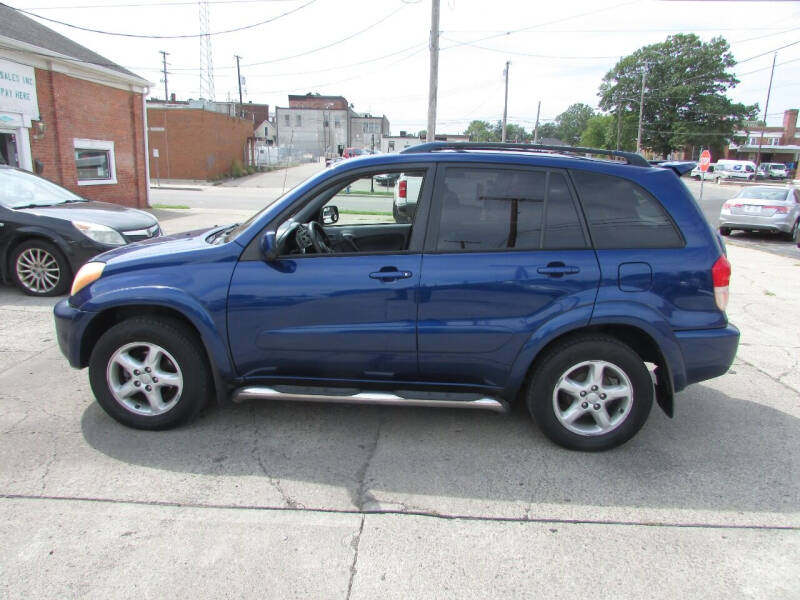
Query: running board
[(351, 396)]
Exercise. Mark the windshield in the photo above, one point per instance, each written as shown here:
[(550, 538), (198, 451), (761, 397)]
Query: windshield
[(19, 189), (763, 193)]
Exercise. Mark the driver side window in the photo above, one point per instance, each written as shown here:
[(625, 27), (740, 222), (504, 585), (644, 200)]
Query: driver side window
[(370, 214)]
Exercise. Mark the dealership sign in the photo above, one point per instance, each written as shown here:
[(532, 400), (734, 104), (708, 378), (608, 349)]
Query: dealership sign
[(18, 90)]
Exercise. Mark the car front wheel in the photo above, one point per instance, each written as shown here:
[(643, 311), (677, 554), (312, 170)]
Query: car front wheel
[(149, 373), (592, 393), (40, 269)]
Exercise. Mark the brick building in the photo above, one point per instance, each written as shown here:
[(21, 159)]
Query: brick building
[(70, 114), (778, 144), (195, 141)]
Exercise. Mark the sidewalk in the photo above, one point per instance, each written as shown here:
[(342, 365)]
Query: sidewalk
[(765, 306)]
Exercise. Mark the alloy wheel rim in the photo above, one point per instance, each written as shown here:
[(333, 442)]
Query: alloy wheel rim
[(592, 398), (144, 378), (38, 270)]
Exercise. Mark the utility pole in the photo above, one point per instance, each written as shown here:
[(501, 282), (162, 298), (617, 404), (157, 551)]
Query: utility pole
[(641, 112), (239, 77), (619, 122), (536, 125), (766, 108), (505, 103), (164, 58), (434, 75)]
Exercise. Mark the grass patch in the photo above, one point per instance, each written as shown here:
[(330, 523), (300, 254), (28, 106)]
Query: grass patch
[(177, 206), (365, 212), (365, 193)]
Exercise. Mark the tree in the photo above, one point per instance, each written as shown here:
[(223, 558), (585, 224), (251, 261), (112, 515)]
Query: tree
[(572, 122), (684, 94), (480, 131), (596, 133), (547, 130)]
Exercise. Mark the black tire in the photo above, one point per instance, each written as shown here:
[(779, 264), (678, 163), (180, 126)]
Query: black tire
[(39, 268), (618, 361), (794, 234), (183, 356), (724, 230)]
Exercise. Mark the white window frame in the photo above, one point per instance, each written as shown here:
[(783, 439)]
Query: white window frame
[(108, 146)]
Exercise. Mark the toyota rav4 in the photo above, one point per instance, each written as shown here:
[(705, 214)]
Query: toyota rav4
[(586, 288)]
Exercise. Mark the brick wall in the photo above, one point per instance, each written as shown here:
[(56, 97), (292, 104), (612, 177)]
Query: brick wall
[(74, 108), (195, 143)]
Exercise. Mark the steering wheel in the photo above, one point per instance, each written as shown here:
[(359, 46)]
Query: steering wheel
[(319, 239)]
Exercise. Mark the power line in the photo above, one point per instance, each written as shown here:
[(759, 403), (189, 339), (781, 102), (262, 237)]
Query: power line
[(325, 47), (149, 4), (163, 37)]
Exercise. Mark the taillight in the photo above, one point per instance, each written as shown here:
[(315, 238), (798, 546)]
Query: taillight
[(721, 277), (401, 189), (781, 210)]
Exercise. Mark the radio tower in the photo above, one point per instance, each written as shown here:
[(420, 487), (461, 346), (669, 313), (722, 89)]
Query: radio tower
[(206, 60)]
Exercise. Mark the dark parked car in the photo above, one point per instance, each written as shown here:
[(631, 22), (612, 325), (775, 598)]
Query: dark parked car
[(47, 232), (584, 288)]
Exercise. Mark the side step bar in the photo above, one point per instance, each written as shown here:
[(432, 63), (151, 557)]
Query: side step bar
[(350, 396)]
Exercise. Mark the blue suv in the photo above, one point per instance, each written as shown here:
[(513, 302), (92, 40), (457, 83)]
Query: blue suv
[(582, 286)]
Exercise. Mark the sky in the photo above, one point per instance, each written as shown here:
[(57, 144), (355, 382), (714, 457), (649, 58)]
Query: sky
[(375, 52)]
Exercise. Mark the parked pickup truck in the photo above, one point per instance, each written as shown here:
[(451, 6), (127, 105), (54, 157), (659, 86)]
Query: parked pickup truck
[(406, 195)]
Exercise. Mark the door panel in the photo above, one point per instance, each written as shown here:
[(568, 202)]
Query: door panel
[(369, 238), (478, 309), (325, 317)]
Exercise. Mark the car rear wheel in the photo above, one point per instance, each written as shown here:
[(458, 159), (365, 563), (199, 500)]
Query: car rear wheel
[(724, 230), (40, 269), (592, 393), (149, 373), (794, 234)]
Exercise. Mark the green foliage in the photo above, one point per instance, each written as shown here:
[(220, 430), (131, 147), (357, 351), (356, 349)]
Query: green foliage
[(237, 170), (547, 130), (596, 133), (571, 124), (480, 131), (684, 94)]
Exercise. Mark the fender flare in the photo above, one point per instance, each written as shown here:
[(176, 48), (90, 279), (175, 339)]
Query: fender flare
[(614, 313), (177, 300)]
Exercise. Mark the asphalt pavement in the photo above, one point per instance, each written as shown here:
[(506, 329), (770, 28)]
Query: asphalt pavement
[(277, 500)]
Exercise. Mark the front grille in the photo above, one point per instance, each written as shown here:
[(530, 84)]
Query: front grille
[(137, 235)]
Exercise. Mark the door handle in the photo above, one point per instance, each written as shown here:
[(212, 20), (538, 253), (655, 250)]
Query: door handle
[(390, 274), (557, 269)]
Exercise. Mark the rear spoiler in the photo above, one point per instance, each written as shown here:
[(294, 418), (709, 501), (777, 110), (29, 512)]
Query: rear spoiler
[(680, 167)]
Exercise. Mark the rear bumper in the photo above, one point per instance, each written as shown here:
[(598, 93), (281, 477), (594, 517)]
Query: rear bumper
[(775, 223), (707, 353)]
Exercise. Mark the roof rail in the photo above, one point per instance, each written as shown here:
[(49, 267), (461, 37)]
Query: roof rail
[(632, 157)]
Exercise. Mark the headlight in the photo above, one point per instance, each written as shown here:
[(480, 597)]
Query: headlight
[(88, 273), (100, 233)]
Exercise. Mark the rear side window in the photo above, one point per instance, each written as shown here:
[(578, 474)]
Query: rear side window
[(620, 214), (494, 209)]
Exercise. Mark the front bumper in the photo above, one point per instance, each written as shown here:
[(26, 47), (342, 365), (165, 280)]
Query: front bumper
[(707, 353), (71, 325)]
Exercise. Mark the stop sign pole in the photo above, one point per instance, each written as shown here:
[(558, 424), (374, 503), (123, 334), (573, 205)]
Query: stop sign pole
[(705, 160)]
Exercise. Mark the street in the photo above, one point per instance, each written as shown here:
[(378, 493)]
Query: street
[(310, 500)]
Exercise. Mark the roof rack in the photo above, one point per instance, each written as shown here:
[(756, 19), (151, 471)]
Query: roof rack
[(632, 157)]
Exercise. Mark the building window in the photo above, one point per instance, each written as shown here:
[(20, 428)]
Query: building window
[(286, 119), (94, 162), (298, 120), (337, 123)]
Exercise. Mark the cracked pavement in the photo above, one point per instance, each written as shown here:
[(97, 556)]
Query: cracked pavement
[(282, 500)]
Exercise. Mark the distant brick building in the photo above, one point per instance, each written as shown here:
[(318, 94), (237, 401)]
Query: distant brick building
[(70, 114), (778, 144), (195, 142)]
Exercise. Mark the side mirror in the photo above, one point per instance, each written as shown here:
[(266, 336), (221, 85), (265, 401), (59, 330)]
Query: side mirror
[(330, 214), (269, 246)]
